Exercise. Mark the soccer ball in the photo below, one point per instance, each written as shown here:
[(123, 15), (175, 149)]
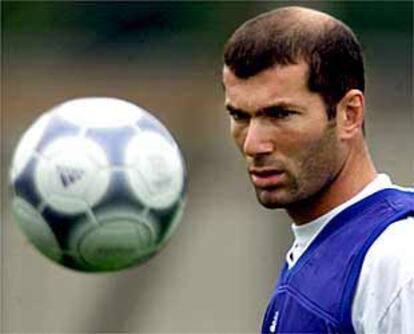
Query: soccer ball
[(98, 184)]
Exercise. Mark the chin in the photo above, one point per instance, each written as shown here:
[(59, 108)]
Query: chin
[(270, 200), (272, 205)]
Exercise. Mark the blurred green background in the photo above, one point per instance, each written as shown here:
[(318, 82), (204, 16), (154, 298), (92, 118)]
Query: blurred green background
[(217, 273)]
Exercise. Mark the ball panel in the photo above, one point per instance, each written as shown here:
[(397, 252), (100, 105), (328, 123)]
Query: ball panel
[(99, 112), (171, 221), (155, 170), (24, 185), (57, 128), (111, 141), (118, 197), (151, 124), (115, 246), (66, 204), (119, 237), (62, 224), (27, 146), (36, 229), (97, 187), (67, 170)]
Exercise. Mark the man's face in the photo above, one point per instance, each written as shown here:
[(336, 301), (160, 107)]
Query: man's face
[(281, 128)]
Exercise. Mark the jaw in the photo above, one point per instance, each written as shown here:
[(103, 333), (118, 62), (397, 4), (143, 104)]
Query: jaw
[(353, 176)]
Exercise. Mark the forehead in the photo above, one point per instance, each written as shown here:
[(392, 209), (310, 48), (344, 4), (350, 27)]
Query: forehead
[(287, 84)]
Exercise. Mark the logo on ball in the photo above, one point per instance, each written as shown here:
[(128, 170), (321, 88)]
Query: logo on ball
[(69, 175)]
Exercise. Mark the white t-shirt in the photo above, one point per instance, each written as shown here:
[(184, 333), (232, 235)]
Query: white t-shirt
[(384, 298)]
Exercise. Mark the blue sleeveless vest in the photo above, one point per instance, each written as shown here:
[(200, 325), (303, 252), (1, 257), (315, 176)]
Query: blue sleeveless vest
[(315, 295)]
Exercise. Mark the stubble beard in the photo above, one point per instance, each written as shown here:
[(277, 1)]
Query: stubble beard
[(315, 170)]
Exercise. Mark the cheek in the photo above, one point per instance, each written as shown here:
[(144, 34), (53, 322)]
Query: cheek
[(319, 158), (310, 152), (293, 146), (238, 133)]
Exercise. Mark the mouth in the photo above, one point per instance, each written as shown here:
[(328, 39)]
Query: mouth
[(266, 177)]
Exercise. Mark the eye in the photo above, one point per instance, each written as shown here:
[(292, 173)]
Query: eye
[(239, 116), (279, 113)]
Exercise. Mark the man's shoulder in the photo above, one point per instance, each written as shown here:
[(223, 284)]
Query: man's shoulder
[(386, 275), (389, 263), (394, 248)]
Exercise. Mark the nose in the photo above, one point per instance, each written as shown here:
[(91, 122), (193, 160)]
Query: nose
[(258, 140)]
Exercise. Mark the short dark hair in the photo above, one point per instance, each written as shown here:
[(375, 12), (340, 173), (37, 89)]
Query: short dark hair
[(285, 36)]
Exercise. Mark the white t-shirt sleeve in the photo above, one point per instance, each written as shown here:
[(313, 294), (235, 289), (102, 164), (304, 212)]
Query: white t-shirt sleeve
[(384, 298)]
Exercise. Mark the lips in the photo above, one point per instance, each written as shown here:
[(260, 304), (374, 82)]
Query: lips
[(266, 177)]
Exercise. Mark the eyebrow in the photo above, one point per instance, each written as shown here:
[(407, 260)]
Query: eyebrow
[(264, 110), (230, 108)]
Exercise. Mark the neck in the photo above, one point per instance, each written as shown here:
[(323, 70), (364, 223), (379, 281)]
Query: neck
[(356, 173)]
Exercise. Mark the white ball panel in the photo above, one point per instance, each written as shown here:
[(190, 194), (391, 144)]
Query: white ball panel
[(99, 112), (66, 171), (155, 170), (68, 205), (27, 146), (36, 229), (98, 185)]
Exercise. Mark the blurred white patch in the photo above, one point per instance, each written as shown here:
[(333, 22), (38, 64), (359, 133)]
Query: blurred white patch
[(155, 170), (73, 174), (99, 112)]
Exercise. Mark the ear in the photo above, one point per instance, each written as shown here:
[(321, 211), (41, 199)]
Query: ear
[(350, 114)]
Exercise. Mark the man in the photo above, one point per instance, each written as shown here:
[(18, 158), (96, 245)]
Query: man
[(294, 89)]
